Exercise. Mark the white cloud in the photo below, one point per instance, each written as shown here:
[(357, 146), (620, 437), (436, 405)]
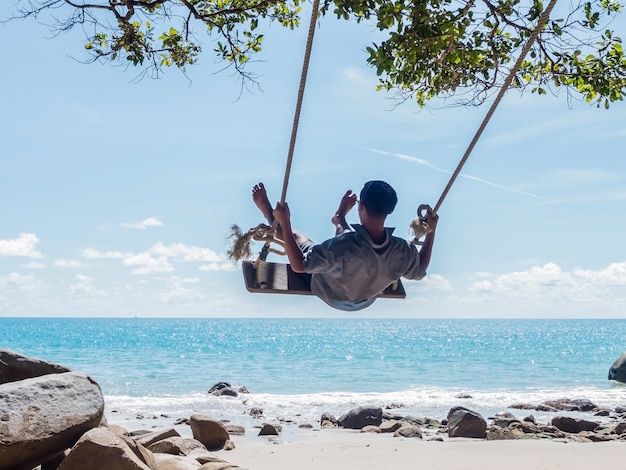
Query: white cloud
[(85, 286), (25, 284), (95, 254), (16, 279), (223, 266), (182, 252), (145, 263), (149, 222), (69, 263), (158, 258), (178, 293), (550, 283), (24, 245), (434, 282), (34, 265)]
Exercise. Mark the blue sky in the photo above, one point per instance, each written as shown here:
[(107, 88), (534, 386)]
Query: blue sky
[(118, 194)]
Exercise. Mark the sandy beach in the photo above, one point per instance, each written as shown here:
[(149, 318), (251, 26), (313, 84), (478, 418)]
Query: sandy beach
[(337, 449)]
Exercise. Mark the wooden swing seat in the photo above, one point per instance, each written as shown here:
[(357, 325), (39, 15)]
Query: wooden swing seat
[(279, 278)]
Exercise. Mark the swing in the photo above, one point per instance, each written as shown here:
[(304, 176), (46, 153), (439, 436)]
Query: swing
[(261, 276)]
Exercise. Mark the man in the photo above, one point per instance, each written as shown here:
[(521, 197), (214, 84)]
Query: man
[(350, 270)]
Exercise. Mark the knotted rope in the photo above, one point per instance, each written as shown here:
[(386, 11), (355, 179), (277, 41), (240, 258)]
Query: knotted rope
[(419, 226)]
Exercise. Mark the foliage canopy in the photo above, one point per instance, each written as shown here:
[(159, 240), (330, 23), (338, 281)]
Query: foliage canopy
[(430, 48)]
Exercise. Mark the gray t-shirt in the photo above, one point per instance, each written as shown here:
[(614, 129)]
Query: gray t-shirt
[(350, 270)]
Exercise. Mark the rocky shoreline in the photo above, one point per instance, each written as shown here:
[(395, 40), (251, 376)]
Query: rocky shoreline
[(53, 418)]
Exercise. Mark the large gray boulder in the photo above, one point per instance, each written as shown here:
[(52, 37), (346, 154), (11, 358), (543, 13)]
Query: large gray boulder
[(42, 416), (14, 367), (618, 369)]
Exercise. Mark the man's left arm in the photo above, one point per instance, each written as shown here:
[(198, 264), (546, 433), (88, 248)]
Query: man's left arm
[(294, 253), (427, 247)]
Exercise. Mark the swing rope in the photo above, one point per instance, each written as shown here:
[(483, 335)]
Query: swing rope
[(262, 232), (419, 227), (296, 118)]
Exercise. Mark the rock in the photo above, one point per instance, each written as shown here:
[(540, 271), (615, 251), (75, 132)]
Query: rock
[(466, 423), (175, 462), (618, 369), (226, 389), (219, 386), (256, 412), (327, 424), (14, 367), (566, 404), (235, 430), (42, 416), (358, 418), (454, 409), (408, 430), (328, 417), (268, 430), (177, 446), (573, 425), (140, 451), (211, 433), (390, 426), (496, 433), (620, 428), (55, 462), (100, 449), (149, 438), (371, 429)]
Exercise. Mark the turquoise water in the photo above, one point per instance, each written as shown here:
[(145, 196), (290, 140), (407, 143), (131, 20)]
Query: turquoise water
[(306, 365)]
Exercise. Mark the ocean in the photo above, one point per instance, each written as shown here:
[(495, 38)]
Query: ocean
[(296, 369)]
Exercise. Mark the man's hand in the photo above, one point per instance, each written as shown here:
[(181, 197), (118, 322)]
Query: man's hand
[(282, 214), (432, 219)]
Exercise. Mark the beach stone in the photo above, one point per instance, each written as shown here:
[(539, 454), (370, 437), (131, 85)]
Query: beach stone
[(100, 449), (55, 462), (390, 426), (454, 409), (226, 389), (256, 412), (235, 430), (145, 455), (42, 416), (175, 462), (497, 433), (408, 430), (211, 433), (358, 418), (176, 446), (573, 425), (371, 429), (620, 428), (14, 367), (268, 430), (567, 404), (148, 438), (618, 369), (466, 423)]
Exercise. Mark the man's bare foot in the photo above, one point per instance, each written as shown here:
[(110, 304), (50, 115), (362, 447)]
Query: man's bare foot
[(347, 203), (259, 196)]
